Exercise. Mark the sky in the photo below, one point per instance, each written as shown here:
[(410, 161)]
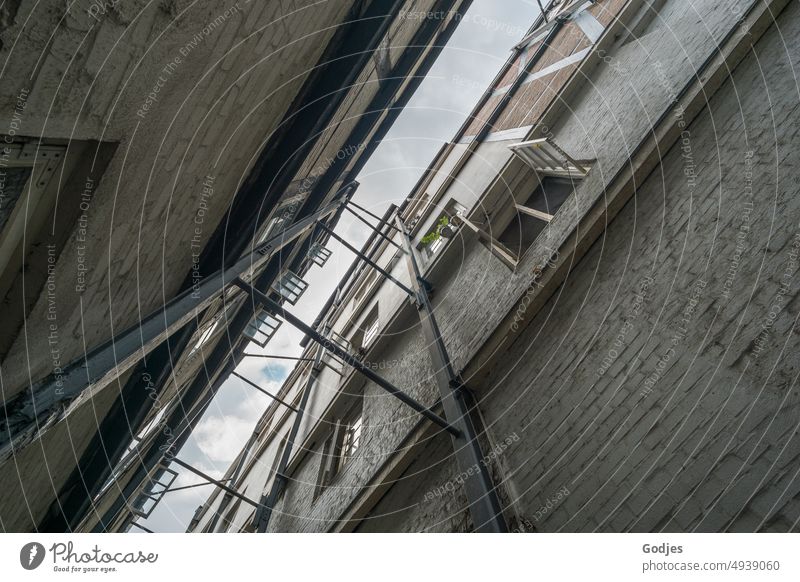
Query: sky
[(479, 47)]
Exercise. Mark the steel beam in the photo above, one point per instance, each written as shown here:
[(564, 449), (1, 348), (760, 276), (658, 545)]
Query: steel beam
[(44, 403), (218, 366), (268, 501), (278, 310), (192, 486), (389, 102), (374, 229), (213, 481), (366, 259), (375, 216), (459, 406), (271, 357), (260, 389)]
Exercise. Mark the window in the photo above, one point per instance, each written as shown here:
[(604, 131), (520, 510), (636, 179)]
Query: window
[(319, 254), (370, 332), (159, 483), (341, 342), (369, 279), (340, 447), (281, 219), (547, 159), (352, 439), (46, 193), (226, 523), (534, 214), (262, 327), (525, 198), (290, 287), (205, 335), (366, 332), (443, 228)]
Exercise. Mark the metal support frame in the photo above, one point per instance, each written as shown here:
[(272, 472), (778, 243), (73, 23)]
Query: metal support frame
[(459, 405), (391, 100), (260, 389), (273, 357), (213, 481), (375, 216), (372, 228), (24, 417), (366, 259), (277, 309), (263, 515), (192, 486)]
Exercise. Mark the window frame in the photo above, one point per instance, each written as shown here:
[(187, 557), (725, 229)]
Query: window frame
[(337, 449)]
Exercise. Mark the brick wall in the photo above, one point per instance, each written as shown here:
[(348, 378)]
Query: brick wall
[(240, 65), (649, 387)]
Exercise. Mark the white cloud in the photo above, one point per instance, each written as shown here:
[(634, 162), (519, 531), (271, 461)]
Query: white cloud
[(221, 439)]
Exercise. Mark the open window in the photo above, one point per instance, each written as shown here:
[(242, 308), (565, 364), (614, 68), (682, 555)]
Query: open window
[(341, 342), (205, 334), (290, 286), (525, 198), (366, 332), (153, 492), (262, 327), (319, 254), (547, 159), (281, 218), (531, 217), (340, 446)]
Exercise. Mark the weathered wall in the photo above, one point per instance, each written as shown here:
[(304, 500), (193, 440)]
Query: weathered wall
[(658, 385), (225, 73), (408, 508), (387, 422)]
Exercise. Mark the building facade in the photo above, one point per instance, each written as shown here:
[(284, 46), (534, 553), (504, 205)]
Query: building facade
[(611, 244), (151, 153)]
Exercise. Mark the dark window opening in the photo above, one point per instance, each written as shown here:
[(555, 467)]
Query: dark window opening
[(544, 201), (341, 446)]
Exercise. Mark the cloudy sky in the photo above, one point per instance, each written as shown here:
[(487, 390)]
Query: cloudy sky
[(479, 47)]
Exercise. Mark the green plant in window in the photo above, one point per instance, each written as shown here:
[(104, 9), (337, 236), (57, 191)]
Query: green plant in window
[(436, 233)]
